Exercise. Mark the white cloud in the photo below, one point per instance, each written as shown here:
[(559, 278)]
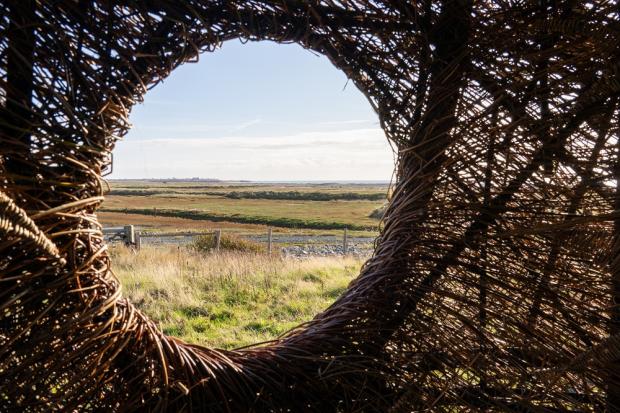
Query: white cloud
[(180, 128), (245, 125), (344, 155)]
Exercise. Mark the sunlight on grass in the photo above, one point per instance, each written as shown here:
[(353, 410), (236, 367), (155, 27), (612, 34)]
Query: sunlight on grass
[(229, 299)]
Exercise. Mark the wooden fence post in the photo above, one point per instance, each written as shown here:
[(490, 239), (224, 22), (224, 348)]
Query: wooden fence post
[(138, 236), (269, 240), (345, 242), (218, 237), (130, 235)]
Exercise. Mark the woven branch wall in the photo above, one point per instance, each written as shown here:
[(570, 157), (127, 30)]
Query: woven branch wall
[(495, 281)]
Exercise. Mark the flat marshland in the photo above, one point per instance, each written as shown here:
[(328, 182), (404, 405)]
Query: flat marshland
[(229, 299), (244, 207)]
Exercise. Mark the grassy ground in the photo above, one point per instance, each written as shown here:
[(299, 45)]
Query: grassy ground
[(228, 300), (208, 203), (269, 219)]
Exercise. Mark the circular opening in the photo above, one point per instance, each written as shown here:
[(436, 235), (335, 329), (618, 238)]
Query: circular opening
[(255, 142)]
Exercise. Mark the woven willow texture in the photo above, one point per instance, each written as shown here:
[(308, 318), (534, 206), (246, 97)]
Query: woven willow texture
[(495, 281)]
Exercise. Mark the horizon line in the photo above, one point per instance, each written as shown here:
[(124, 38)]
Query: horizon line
[(249, 180)]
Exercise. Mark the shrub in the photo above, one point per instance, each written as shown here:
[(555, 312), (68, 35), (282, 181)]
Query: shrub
[(282, 222), (379, 212), (306, 196), (228, 242)]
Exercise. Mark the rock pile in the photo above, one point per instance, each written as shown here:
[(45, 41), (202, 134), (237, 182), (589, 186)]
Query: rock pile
[(325, 250)]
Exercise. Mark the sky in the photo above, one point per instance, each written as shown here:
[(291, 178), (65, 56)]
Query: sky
[(258, 111)]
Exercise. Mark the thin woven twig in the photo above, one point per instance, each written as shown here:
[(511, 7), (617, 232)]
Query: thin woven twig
[(495, 281)]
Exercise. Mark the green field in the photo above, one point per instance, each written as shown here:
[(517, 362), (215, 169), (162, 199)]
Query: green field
[(229, 299), (243, 206)]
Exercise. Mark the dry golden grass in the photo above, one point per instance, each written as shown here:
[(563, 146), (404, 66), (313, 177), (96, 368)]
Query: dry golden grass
[(157, 223), (229, 299)]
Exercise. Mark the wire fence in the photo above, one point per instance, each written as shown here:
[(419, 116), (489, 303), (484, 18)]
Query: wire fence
[(293, 244)]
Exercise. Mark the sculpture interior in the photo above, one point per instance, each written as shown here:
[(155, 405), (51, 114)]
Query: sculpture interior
[(495, 283)]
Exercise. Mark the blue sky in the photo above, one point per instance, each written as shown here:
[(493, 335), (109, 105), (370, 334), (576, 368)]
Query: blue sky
[(257, 111)]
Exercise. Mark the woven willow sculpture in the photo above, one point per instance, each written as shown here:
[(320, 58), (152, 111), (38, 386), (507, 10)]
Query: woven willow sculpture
[(495, 281)]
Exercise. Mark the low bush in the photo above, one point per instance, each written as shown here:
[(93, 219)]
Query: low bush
[(131, 192), (227, 243), (379, 212), (306, 196)]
